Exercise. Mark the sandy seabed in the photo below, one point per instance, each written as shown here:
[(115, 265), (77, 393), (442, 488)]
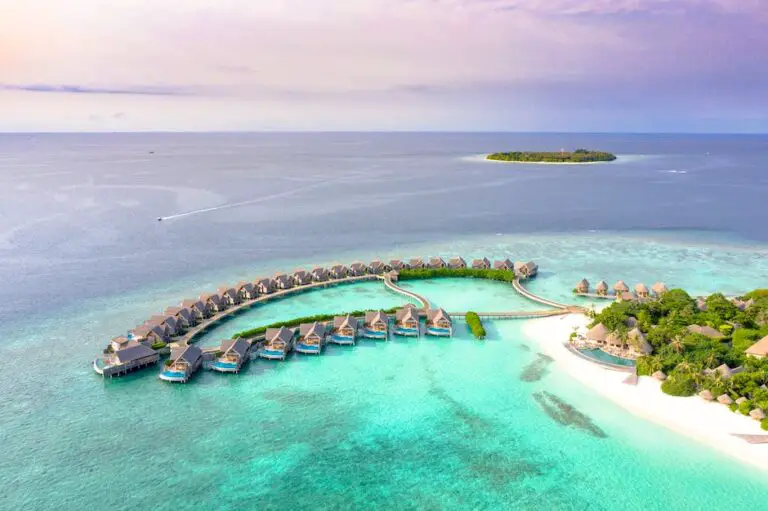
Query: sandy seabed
[(708, 422)]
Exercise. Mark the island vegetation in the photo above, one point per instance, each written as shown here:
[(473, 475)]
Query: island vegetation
[(577, 156), (695, 359), (475, 273), (475, 325)]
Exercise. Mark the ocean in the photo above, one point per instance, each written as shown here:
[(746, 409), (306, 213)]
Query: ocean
[(407, 424)]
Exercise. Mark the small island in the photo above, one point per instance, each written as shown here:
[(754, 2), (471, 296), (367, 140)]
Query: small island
[(577, 156)]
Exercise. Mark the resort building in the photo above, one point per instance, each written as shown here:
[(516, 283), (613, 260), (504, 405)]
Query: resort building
[(234, 353), (620, 287), (213, 303), (504, 264), (169, 324), (283, 281), (246, 291), (759, 349), (320, 274), (198, 309), (396, 264), (659, 288), (582, 287), (526, 270), (701, 304), (437, 262), (122, 342), (439, 323), (481, 264), (278, 342), (624, 296), (378, 267), (265, 285), (311, 338), (357, 269), (150, 333), (183, 363), (376, 325), (707, 331), (416, 263), (132, 357), (641, 290), (602, 288), (457, 263), (339, 271), (184, 317), (614, 340), (598, 334), (344, 330), (407, 322), (228, 295), (638, 344), (301, 277)]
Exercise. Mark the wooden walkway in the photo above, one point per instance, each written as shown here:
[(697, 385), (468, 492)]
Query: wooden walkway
[(397, 289), (527, 294), (516, 314)]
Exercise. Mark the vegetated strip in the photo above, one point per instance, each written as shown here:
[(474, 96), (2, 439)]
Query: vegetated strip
[(475, 325), (577, 156), (253, 332), (472, 273)]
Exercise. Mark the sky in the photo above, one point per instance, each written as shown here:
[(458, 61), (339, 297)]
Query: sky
[(438, 65)]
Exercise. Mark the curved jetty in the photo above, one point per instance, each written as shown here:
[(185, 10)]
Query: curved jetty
[(179, 326)]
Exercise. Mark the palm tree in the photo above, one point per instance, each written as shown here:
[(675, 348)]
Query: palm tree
[(677, 344)]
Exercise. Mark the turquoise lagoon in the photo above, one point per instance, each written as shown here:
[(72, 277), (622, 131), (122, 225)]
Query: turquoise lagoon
[(409, 424)]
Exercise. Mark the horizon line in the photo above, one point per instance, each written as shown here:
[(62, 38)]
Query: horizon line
[(377, 131)]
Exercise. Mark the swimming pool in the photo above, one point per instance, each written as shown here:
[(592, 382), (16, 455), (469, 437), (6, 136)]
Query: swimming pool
[(173, 376), (438, 331), (606, 358), (224, 366), (406, 331)]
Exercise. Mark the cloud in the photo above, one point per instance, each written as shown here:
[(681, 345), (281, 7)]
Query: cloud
[(80, 89)]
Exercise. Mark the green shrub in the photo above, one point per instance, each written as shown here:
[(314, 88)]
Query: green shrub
[(757, 293), (159, 345), (472, 273), (679, 385), (168, 362), (764, 423), (726, 329), (734, 407), (475, 325), (745, 407)]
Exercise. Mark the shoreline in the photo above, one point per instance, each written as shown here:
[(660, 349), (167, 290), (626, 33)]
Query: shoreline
[(709, 423), (484, 157)]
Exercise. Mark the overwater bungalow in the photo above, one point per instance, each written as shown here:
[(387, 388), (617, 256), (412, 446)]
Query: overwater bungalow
[(582, 287), (246, 291), (339, 271), (638, 344), (705, 330), (407, 322), (311, 338), (602, 288), (301, 277), (416, 263), (121, 342), (198, 308), (213, 303), (133, 356), (598, 333), (283, 281), (526, 270), (396, 264), (264, 285), (504, 264), (481, 264), (376, 325), (439, 323), (659, 288), (151, 333), (624, 296), (344, 330), (620, 287), (320, 274), (759, 349), (358, 269), (183, 363), (379, 267), (183, 317), (437, 262), (169, 324), (233, 354), (641, 290), (229, 295), (457, 263), (278, 342)]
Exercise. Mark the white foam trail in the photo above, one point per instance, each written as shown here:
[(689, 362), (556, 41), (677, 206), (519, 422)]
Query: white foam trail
[(244, 203)]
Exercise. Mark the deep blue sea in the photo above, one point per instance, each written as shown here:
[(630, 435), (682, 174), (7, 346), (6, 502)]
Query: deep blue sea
[(406, 425)]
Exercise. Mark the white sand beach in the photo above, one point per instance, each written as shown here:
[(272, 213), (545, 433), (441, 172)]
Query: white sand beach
[(708, 422)]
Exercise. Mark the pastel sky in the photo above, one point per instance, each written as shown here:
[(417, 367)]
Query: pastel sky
[(468, 65)]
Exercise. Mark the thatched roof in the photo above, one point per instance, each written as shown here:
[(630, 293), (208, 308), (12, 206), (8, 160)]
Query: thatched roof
[(741, 400), (481, 263), (457, 262), (640, 288), (659, 288), (599, 333), (759, 349), (725, 399), (613, 339), (659, 375), (757, 414), (626, 296), (620, 286), (706, 395), (707, 331), (602, 287), (638, 341), (701, 304), (436, 262), (582, 286)]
